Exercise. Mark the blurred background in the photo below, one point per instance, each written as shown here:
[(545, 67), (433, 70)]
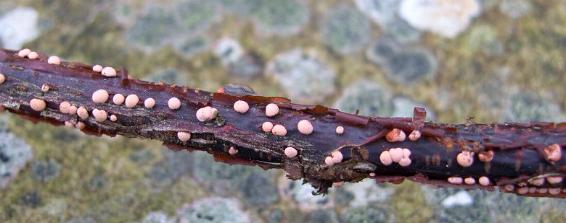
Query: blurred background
[(490, 60)]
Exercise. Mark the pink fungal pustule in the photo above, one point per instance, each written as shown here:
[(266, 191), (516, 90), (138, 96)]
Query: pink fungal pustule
[(509, 187), (291, 152), (80, 125), (24, 52), (305, 127), (55, 60), (33, 55), (73, 110), (553, 153), (97, 68), (469, 180), (37, 104), (64, 107), (99, 115), (337, 156), (131, 101), (522, 190), (465, 158), (44, 88), (174, 103), (149, 103), (415, 135), (405, 162), (82, 112), (113, 118), (108, 72), (455, 180), (484, 181), (385, 158), (2, 78), (241, 106), (184, 136), (340, 130), (396, 154), (206, 113), (271, 110), (395, 135), (279, 130), (537, 181), (267, 126), (232, 151), (329, 161), (100, 96), (554, 179), (118, 99), (554, 191)]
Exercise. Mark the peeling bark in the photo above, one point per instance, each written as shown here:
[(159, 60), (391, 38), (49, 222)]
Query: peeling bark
[(521, 158)]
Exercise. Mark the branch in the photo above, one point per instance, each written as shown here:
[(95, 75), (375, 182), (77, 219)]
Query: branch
[(318, 144)]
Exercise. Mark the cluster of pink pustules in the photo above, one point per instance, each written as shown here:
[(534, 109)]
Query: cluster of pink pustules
[(391, 156)]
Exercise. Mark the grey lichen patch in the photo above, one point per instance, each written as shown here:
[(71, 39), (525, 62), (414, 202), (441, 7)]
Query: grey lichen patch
[(213, 210), (45, 170), (345, 30), (367, 98), (282, 18), (14, 155)]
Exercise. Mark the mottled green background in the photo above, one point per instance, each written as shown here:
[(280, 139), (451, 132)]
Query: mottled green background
[(508, 64)]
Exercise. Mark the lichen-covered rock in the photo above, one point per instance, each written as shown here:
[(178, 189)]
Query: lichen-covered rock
[(45, 170), (191, 46), (365, 214), (153, 29), (280, 17), (259, 190), (366, 192), (174, 165), (213, 210), (405, 65), (169, 76), (530, 106), (385, 13), (14, 155), (445, 18), (157, 217), (404, 107), (304, 76), (19, 26), (345, 30), (323, 216), (515, 8), (302, 195), (367, 97), (483, 38)]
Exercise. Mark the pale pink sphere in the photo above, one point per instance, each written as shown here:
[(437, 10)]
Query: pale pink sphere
[(465, 158), (554, 179), (37, 104), (291, 152), (64, 107), (45, 88), (523, 190), (337, 156), (73, 110), (469, 180), (538, 181), (279, 130), (100, 96), (232, 151), (80, 125), (149, 103), (99, 115), (33, 55), (174, 103), (340, 130), (241, 106), (484, 181), (54, 60), (97, 68), (305, 127), (271, 110), (455, 180), (404, 162), (385, 158), (396, 154), (554, 191), (395, 135), (108, 72), (118, 99), (113, 118), (2, 78), (267, 126), (82, 113), (184, 136), (132, 100), (24, 52), (329, 161)]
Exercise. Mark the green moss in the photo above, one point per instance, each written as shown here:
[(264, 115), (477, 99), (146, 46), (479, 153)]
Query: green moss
[(409, 204)]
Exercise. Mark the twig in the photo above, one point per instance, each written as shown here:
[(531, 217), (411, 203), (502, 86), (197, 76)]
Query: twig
[(318, 144)]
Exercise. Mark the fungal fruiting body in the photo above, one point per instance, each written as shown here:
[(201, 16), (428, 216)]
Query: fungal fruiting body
[(54, 60), (321, 145)]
